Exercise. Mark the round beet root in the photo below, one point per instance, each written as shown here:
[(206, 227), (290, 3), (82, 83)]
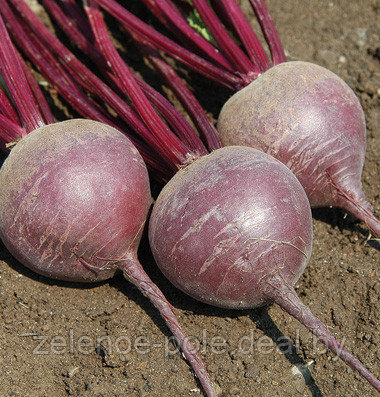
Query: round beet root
[(71, 193), (311, 120), (234, 229), (226, 221)]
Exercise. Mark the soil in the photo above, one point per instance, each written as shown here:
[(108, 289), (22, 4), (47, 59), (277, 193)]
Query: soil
[(59, 339)]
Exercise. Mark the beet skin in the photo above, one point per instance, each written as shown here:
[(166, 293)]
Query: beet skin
[(234, 230), (309, 119), (226, 221), (70, 190)]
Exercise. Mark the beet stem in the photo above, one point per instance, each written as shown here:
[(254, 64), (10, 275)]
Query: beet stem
[(224, 40), (134, 272), (269, 30), (49, 66), (186, 97), (170, 16), (81, 35), (176, 120), (38, 95), (76, 16), (17, 82), (246, 34), (131, 23), (285, 296), (157, 127), (6, 107), (9, 130)]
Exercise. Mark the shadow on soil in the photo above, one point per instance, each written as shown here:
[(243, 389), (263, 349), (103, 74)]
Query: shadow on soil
[(337, 218)]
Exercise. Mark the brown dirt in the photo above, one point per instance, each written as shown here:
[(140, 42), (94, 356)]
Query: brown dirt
[(50, 332)]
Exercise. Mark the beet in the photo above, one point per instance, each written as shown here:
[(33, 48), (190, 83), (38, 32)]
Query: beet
[(310, 120), (70, 190), (223, 216), (234, 230)]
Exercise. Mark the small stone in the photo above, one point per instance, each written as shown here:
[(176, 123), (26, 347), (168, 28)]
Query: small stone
[(342, 59), (328, 56), (72, 371), (357, 36)]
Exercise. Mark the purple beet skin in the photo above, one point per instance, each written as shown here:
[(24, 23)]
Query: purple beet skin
[(73, 192), (226, 222), (309, 119), (234, 229)]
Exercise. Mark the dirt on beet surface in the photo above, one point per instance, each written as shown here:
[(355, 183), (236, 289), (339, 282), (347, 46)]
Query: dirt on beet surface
[(59, 339)]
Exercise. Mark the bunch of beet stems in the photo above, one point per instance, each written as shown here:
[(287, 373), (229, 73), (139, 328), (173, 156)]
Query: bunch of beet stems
[(70, 19), (64, 71), (127, 121), (55, 61), (34, 111), (31, 111), (121, 74), (227, 63)]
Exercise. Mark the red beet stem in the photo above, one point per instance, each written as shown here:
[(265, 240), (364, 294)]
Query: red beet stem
[(6, 108), (49, 66), (246, 34), (269, 30), (224, 40), (176, 120), (186, 97), (38, 95), (17, 83), (169, 15), (134, 272), (9, 130), (285, 296), (155, 124), (173, 117), (76, 16), (89, 81), (131, 23), (81, 35)]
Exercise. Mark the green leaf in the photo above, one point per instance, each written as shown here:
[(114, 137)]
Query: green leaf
[(196, 22)]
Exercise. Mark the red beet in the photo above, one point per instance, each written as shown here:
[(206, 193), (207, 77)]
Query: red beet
[(216, 218), (234, 229), (69, 190), (309, 119)]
